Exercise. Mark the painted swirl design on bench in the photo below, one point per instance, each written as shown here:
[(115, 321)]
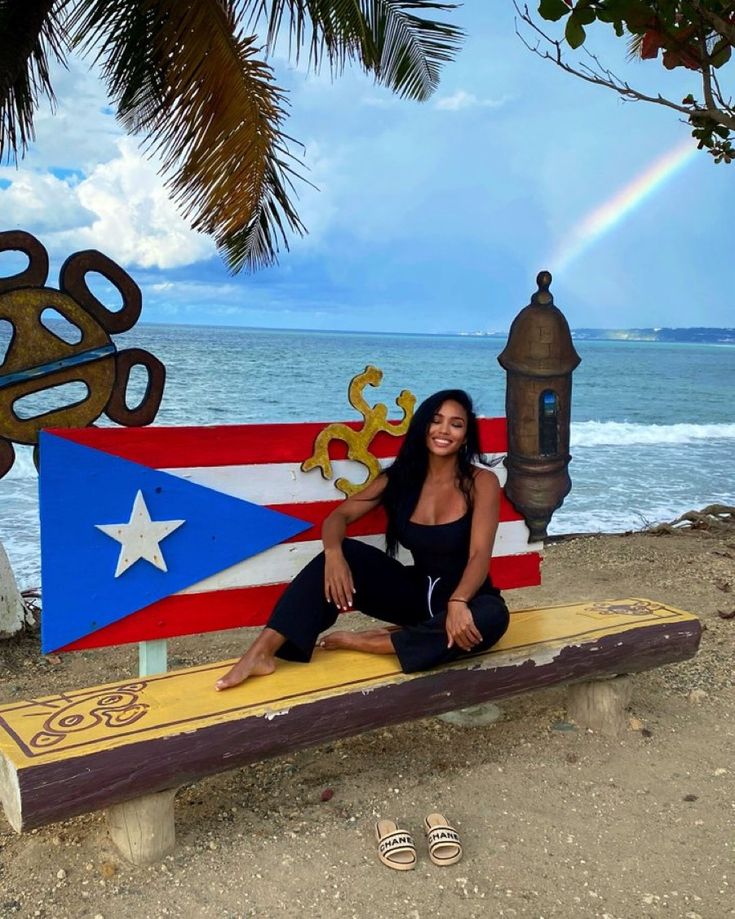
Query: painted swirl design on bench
[(627, 608), (117, 707)]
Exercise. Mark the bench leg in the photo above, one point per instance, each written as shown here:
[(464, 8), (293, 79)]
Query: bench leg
[(143, 829), (600, 704)]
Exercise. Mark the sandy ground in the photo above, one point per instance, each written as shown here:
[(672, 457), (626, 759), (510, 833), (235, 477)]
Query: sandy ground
[(556, 821)]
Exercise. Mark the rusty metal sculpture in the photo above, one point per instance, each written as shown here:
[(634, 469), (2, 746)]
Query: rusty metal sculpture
[(38, 358), (539, 359), (358, 442)]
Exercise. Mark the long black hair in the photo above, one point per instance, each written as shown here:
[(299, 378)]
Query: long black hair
[(407, 473)]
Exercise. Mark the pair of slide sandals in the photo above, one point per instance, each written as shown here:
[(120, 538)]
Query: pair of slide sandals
[(396, 848)]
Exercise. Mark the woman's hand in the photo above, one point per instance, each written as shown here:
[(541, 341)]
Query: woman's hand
[(338, 584), (460, 626)]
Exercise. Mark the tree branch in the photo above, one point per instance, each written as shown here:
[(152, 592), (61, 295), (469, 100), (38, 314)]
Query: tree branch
[(722, 26), (603, 76)]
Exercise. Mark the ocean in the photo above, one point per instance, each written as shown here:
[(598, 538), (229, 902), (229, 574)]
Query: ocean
[(653, 425)]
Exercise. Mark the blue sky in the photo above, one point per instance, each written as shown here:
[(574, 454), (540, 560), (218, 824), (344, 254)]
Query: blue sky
[(432, 217)]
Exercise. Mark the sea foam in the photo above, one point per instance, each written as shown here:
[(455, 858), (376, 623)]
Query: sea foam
[(625, 434)]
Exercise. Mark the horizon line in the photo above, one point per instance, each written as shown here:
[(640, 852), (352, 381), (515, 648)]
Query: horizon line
[(455, 334)]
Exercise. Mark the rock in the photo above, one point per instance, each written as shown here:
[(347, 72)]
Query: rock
[(108, 869), (697, 696), (473, 716), (12, 610), (61, 874)]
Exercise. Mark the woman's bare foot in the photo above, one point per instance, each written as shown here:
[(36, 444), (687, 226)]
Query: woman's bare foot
[(248, 665), (258, 660), (374, 641)]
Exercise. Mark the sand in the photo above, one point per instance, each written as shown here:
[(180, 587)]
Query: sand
[(556, 821)]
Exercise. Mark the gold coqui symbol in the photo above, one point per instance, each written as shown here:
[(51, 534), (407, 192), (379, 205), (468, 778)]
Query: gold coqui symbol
[(358, 442)]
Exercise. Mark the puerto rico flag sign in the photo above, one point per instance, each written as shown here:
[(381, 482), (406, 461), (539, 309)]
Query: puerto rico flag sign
[(148, 533)]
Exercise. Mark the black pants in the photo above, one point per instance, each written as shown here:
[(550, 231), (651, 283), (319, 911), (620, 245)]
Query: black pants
[(385, 590)]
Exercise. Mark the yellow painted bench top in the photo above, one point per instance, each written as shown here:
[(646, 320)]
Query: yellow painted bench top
[(68, 725)]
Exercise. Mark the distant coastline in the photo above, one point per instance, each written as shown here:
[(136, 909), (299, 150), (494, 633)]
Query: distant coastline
[(695, 335)]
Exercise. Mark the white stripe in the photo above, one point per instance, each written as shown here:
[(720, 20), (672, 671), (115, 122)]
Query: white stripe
[(285, 483), (283, 562)]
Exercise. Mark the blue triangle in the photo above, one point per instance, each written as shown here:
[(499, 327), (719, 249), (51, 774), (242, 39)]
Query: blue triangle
[(81, 487)]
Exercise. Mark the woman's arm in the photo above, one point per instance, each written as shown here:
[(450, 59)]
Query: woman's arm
[(461, 629), (338, 583)]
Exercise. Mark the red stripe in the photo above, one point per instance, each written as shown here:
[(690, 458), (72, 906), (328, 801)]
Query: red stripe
[(189, 614), (314, 513), (229, 445), (511, 571)]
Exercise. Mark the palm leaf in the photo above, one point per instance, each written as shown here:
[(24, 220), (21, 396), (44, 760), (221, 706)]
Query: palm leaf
[(183, 75), (635, 44), (386, 37), (31, 32)]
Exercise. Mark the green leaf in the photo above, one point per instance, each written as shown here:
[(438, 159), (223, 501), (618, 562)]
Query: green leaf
[(585, 15), (574, 33), (615, 9), (553, 9), (638, 15)]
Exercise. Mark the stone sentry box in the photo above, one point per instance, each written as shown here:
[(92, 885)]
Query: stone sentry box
[(539, 359)]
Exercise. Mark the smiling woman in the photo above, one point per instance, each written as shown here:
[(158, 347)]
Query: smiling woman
[(444, 509)]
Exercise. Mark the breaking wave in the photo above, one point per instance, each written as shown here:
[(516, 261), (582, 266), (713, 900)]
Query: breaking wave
[(624, 433)]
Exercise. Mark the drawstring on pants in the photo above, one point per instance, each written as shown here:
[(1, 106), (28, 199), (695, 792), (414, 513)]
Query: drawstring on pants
[(432, 584)]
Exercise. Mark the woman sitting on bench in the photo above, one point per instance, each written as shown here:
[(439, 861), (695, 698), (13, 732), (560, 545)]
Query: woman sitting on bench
[(441, 507)]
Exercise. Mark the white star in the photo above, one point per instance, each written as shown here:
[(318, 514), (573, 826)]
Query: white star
[(139, 537)]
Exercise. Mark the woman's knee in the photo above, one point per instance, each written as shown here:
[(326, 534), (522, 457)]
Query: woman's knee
[(355, 550), (491, 617)]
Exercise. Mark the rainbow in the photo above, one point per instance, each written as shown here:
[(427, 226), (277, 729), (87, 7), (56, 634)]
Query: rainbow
[(608, 215)]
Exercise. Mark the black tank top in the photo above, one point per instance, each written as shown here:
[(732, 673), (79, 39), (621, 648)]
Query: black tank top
[(440, 553)]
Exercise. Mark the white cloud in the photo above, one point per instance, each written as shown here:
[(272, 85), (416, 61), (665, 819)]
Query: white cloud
[(136, 222), (42, 202), (80, 131), (315, 202), (464, 100), (381, 101), (112, 199), (120, 208)]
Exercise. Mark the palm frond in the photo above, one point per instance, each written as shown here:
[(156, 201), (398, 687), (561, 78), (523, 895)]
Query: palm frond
[(31, 34), (183, 75), (635, 47), (387, 38)]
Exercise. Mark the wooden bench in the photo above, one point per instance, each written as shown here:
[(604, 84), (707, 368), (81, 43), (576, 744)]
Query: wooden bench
[(129, 745)]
